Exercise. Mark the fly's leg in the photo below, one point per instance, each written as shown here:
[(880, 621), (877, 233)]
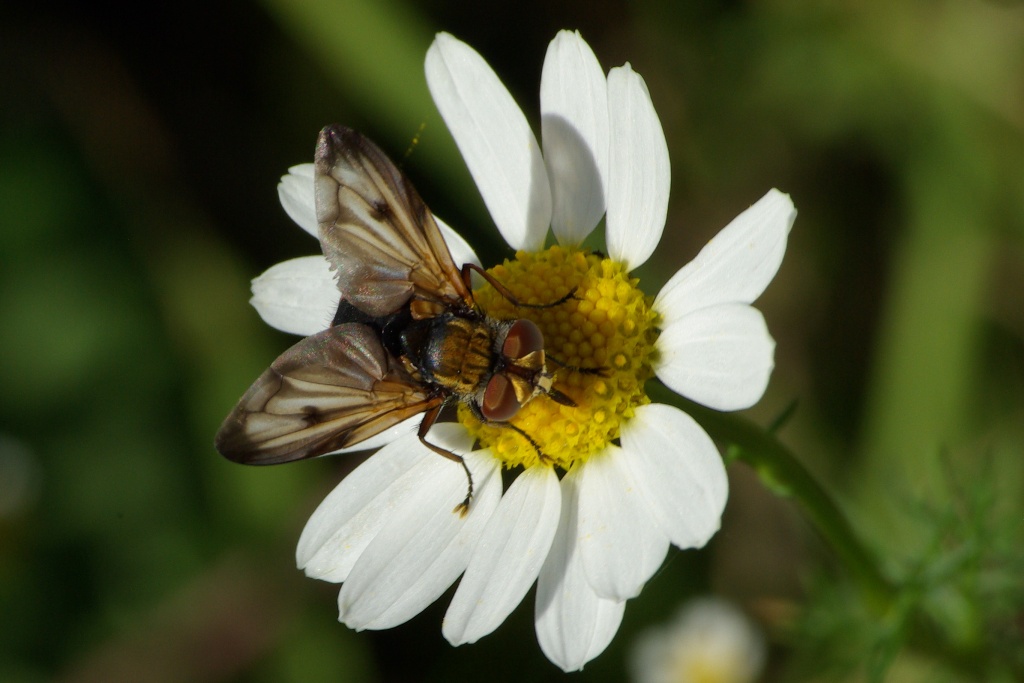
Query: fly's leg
[(468, 269), (478, 414), (600, 372), (428, 421)]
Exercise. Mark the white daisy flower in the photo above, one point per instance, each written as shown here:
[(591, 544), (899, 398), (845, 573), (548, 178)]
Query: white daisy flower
[(623, 478), (709, 641)]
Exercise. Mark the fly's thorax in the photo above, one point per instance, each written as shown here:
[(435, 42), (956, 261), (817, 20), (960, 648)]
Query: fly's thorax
[(453, 352), (596, 352)]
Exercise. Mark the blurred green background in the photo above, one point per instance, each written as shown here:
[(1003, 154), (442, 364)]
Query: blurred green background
[(140, 147)]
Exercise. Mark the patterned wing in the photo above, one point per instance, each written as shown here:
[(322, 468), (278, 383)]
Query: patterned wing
[(376, 231), (331, 390)]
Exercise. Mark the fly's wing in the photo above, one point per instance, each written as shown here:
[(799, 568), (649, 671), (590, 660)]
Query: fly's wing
[(376, 231), (331, 390)]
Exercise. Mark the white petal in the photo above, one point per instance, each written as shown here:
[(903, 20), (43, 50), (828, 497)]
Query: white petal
[(720, 356), (574, 126), (574, 624), (495, 140), (620, 544), (639, 176), (736, 265), (299, 296), (423, 547), (680, 471), (354, 512), (507, 558), (384, 438), (459, 248), (296, 194)]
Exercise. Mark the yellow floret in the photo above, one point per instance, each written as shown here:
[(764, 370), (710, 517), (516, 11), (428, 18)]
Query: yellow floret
[(607, 324)]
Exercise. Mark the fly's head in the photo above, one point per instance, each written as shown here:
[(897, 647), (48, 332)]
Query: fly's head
[(520, 374)]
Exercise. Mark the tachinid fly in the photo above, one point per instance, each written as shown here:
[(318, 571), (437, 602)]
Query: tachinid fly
[(408, 337)]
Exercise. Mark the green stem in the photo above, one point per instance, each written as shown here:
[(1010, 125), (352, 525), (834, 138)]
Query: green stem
[(783, 473)]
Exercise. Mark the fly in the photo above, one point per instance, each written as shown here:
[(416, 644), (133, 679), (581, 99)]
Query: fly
[(407, 339)]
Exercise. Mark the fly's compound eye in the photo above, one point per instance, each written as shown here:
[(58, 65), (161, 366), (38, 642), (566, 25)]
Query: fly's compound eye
[(500, 402), (523, 338)]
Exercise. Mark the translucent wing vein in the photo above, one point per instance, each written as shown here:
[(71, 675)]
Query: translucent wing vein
[(331, 390), (379, 236)]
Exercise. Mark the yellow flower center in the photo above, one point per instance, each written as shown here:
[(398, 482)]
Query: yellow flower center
[(608, 324)]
